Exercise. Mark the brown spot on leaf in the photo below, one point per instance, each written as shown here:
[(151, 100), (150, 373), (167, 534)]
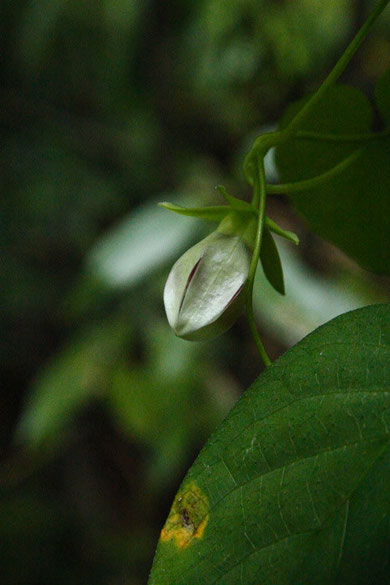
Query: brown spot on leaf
[(188, 517)]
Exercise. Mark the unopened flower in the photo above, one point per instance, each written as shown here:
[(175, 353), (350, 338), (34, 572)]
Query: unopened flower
[(204, 293)]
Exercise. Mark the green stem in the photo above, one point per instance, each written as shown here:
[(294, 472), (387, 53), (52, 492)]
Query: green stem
[(286, 188), (308, 135), (340, 66), (259, 197)]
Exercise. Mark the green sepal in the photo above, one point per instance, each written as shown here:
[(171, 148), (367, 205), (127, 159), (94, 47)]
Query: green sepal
[(236, 223), (271, 262), (242, 224), (213, 213), (274, 227), (236, 203)]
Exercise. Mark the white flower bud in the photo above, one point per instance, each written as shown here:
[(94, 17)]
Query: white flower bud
[(204, 293)]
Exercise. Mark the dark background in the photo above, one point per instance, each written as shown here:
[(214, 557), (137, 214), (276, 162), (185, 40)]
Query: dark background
[(106, 107)]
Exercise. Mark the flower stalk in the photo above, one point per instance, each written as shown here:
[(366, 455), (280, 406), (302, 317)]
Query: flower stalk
[(259, 196)]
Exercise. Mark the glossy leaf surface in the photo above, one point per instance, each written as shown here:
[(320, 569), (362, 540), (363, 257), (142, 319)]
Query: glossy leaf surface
[(294, 485)]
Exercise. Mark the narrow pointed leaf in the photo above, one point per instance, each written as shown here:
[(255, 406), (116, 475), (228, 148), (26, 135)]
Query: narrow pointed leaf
[(294, 486), (271, 263)]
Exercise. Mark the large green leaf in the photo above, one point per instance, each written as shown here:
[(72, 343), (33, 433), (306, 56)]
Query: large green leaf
[(351, 210), (294, 487)]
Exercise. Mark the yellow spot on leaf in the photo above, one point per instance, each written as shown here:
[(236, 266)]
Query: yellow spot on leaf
[(188, 517)]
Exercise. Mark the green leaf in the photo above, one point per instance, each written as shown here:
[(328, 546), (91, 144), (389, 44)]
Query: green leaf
[(213, 213), (352, 209), (270, 261), (294, 485)]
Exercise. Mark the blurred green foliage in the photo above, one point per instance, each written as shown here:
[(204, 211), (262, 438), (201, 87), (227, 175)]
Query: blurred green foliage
[(105, 107)]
